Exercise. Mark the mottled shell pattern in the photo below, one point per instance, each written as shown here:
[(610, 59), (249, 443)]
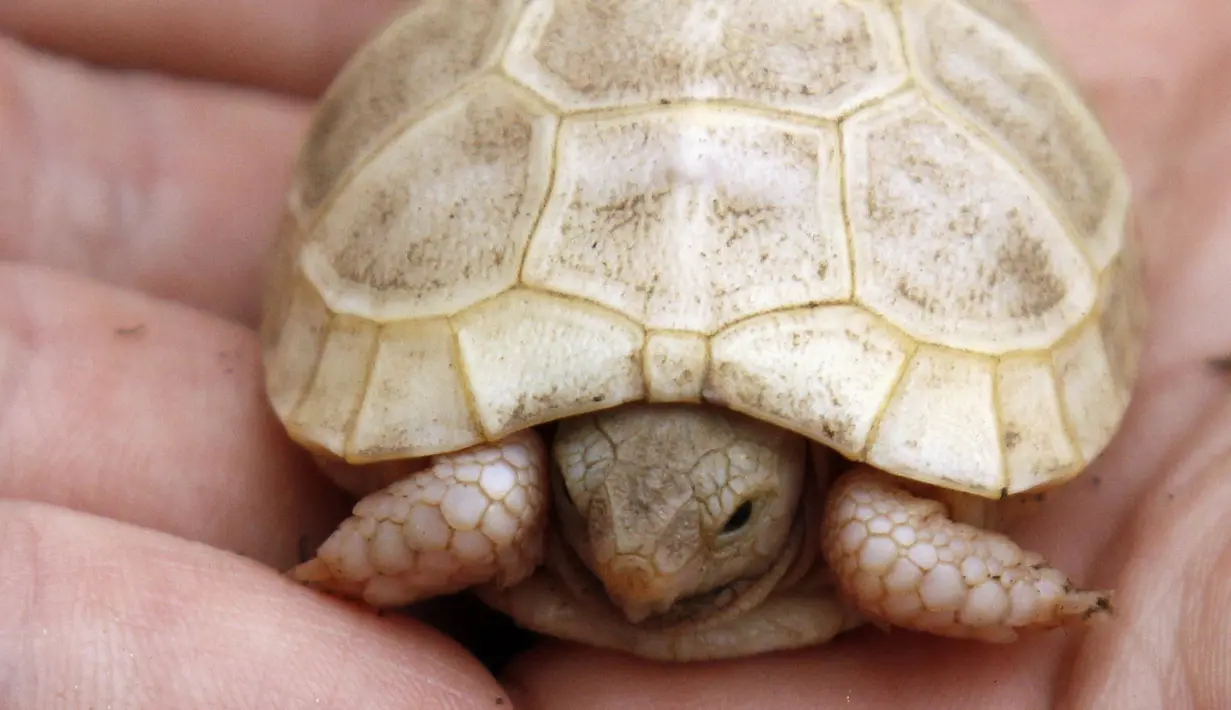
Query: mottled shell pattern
[(891, 226)]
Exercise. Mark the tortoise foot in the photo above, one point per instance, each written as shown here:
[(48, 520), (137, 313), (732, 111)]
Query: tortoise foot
[(903, 562), (471, 517)]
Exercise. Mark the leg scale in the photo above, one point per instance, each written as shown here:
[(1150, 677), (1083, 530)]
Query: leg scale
[(471, 517), (903, 562)]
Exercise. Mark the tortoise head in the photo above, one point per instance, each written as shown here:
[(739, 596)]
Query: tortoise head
[(666, 503)]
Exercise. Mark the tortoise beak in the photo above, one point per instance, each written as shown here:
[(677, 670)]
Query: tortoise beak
[(637, 588)]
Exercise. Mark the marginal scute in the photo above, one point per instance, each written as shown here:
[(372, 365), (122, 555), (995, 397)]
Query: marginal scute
[(1124, 312), (328, 408), (951, 244), (1037, 447), (439, 220), (675, 366), (297, 339), (416, 401), (941, 427), (820, 58), (1019, 96), (695, 219), (419, 59), (280, 281), (1092, 400), (532, 357), (824, 372)]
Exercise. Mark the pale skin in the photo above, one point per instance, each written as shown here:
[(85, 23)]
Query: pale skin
[(129, 482)]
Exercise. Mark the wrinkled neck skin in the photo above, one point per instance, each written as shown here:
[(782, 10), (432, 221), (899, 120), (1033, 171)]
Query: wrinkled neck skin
[(680, 510)]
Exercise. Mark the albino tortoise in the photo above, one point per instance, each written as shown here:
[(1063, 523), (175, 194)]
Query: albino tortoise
[(590, 287)]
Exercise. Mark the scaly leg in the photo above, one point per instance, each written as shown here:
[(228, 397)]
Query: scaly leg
[(471, 517), (901, 560)]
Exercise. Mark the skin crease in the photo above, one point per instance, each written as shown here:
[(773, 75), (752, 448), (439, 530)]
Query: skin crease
[(140, 465)]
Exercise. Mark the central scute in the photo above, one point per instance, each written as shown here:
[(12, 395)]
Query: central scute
[(692, 219)]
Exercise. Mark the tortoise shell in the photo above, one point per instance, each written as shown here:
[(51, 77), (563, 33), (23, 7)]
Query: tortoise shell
[(893, 227)]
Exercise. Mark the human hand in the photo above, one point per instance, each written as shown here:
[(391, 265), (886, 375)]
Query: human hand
[(135, 211), (134, 215)]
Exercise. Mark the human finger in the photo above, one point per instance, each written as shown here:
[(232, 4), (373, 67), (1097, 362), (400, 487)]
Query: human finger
[(149, 412), (1169, 641), (283, 45), (161, 186), (847, 672), (99, 614)]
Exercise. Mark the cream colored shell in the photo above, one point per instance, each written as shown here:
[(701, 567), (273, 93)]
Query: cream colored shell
[(893, 227)]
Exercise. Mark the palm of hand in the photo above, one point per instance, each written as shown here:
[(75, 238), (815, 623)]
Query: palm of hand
[(112, 181)]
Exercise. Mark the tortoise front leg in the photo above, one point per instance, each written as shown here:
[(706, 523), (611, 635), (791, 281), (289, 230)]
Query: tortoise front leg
[(471, 517), (902, 560)]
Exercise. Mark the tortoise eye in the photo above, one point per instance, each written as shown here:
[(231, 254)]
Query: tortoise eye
[(738, 519), (566, 494)]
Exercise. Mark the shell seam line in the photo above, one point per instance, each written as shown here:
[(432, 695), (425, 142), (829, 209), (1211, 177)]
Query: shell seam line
[(894, 390), (998, 427), (463, 378), (844, 204), (322, 341), (548, 193), (352, 422), (1066, 418)]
